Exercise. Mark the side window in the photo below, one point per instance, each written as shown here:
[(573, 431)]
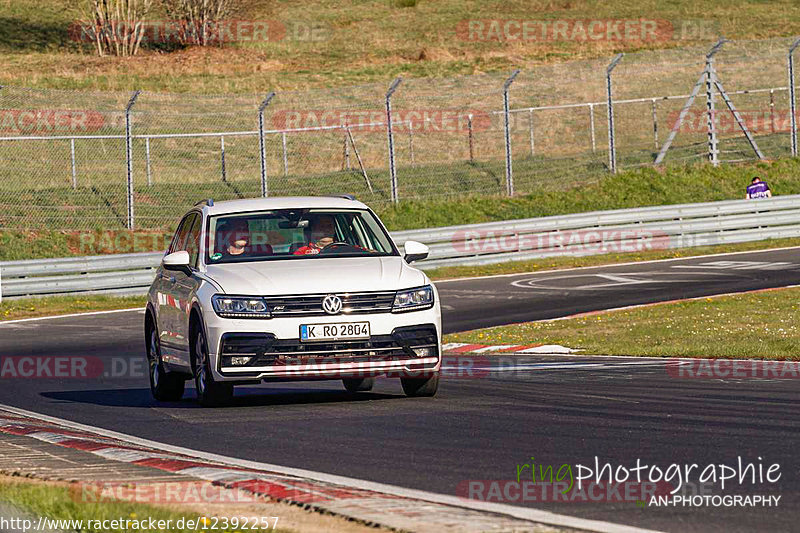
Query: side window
[(192, 244), (179, 241)]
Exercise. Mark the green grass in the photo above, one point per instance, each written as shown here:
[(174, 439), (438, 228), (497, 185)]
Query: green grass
[(60, 214), (748, 326), (360, 41), (61, 502), (373, 42), (62, 305)]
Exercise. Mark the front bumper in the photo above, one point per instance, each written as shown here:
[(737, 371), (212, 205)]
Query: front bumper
[(400, 345)]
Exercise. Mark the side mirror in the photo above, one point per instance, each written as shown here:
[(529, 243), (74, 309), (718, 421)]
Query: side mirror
[(415, 251), (177, 261)]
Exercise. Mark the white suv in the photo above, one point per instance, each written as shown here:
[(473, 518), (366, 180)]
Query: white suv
[(285, 289)]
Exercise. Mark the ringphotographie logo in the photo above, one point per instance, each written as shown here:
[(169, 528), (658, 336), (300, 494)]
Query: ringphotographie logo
[(640, 482), (639, 30)]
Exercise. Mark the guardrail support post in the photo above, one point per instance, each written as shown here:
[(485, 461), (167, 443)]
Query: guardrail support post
[(392, 169), (261, 145), (792, 103), (129, 157), (612, 150), (506, 114)]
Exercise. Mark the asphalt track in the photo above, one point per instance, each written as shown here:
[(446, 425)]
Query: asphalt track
[(482, 424)]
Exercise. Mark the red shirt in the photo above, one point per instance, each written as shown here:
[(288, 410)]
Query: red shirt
[(309, 249)]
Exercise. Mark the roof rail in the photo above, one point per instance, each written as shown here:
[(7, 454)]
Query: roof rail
[(345, 196), (209, 202)]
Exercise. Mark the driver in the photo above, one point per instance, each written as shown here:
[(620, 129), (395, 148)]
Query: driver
[(323, 228)]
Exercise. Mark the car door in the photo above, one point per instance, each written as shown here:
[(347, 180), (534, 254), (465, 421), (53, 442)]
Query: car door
[(184, 288), (168, 300)]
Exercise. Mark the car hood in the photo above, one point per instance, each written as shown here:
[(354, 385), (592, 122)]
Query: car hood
[(315, 276)]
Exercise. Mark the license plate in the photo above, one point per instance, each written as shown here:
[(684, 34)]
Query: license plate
[(334, 331)]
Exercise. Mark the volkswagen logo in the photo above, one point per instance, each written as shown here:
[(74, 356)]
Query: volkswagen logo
[(332, 304)]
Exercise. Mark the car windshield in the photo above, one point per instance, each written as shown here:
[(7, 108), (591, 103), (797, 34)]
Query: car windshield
[(295, 234)]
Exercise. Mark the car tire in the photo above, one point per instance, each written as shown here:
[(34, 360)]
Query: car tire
[(210, 393), (421, 387), (358, 384), (164, 386)]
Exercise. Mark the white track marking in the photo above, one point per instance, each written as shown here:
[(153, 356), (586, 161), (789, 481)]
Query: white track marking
[(609, 265), (522, 513), (89, 313)]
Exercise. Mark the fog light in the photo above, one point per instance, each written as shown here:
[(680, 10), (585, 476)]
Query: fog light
[(239, 361), (423, 352)]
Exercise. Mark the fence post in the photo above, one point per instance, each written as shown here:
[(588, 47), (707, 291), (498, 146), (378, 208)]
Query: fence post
[(612, 148), (471, 149), (392, 169), (591, 126), (655, 125), (346, 150), (261, 146), (72, 156), (411, 140), (711, 120), (530, 131), (222, 157), (129, 157), (147, 161), (772, 111), (791, 96), (509, 169), (285, 155)]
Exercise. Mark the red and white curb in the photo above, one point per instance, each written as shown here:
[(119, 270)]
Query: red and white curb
[(375, 503), (456, 348)]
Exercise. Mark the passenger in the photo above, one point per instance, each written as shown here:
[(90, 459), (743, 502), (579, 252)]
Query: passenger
[(233, 237)]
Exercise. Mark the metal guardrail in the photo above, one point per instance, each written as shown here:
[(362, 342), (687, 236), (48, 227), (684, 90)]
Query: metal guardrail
[(659, 227)]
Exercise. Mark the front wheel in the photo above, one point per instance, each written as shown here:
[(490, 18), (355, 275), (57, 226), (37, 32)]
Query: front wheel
[(419, 387), (358, 384), (164, 386), (210, 393)]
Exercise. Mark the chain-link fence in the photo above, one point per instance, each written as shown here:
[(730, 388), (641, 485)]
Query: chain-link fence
[(80, 160)]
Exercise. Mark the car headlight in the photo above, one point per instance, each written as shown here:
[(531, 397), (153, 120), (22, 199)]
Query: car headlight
[(240, 306), (413, 299)]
